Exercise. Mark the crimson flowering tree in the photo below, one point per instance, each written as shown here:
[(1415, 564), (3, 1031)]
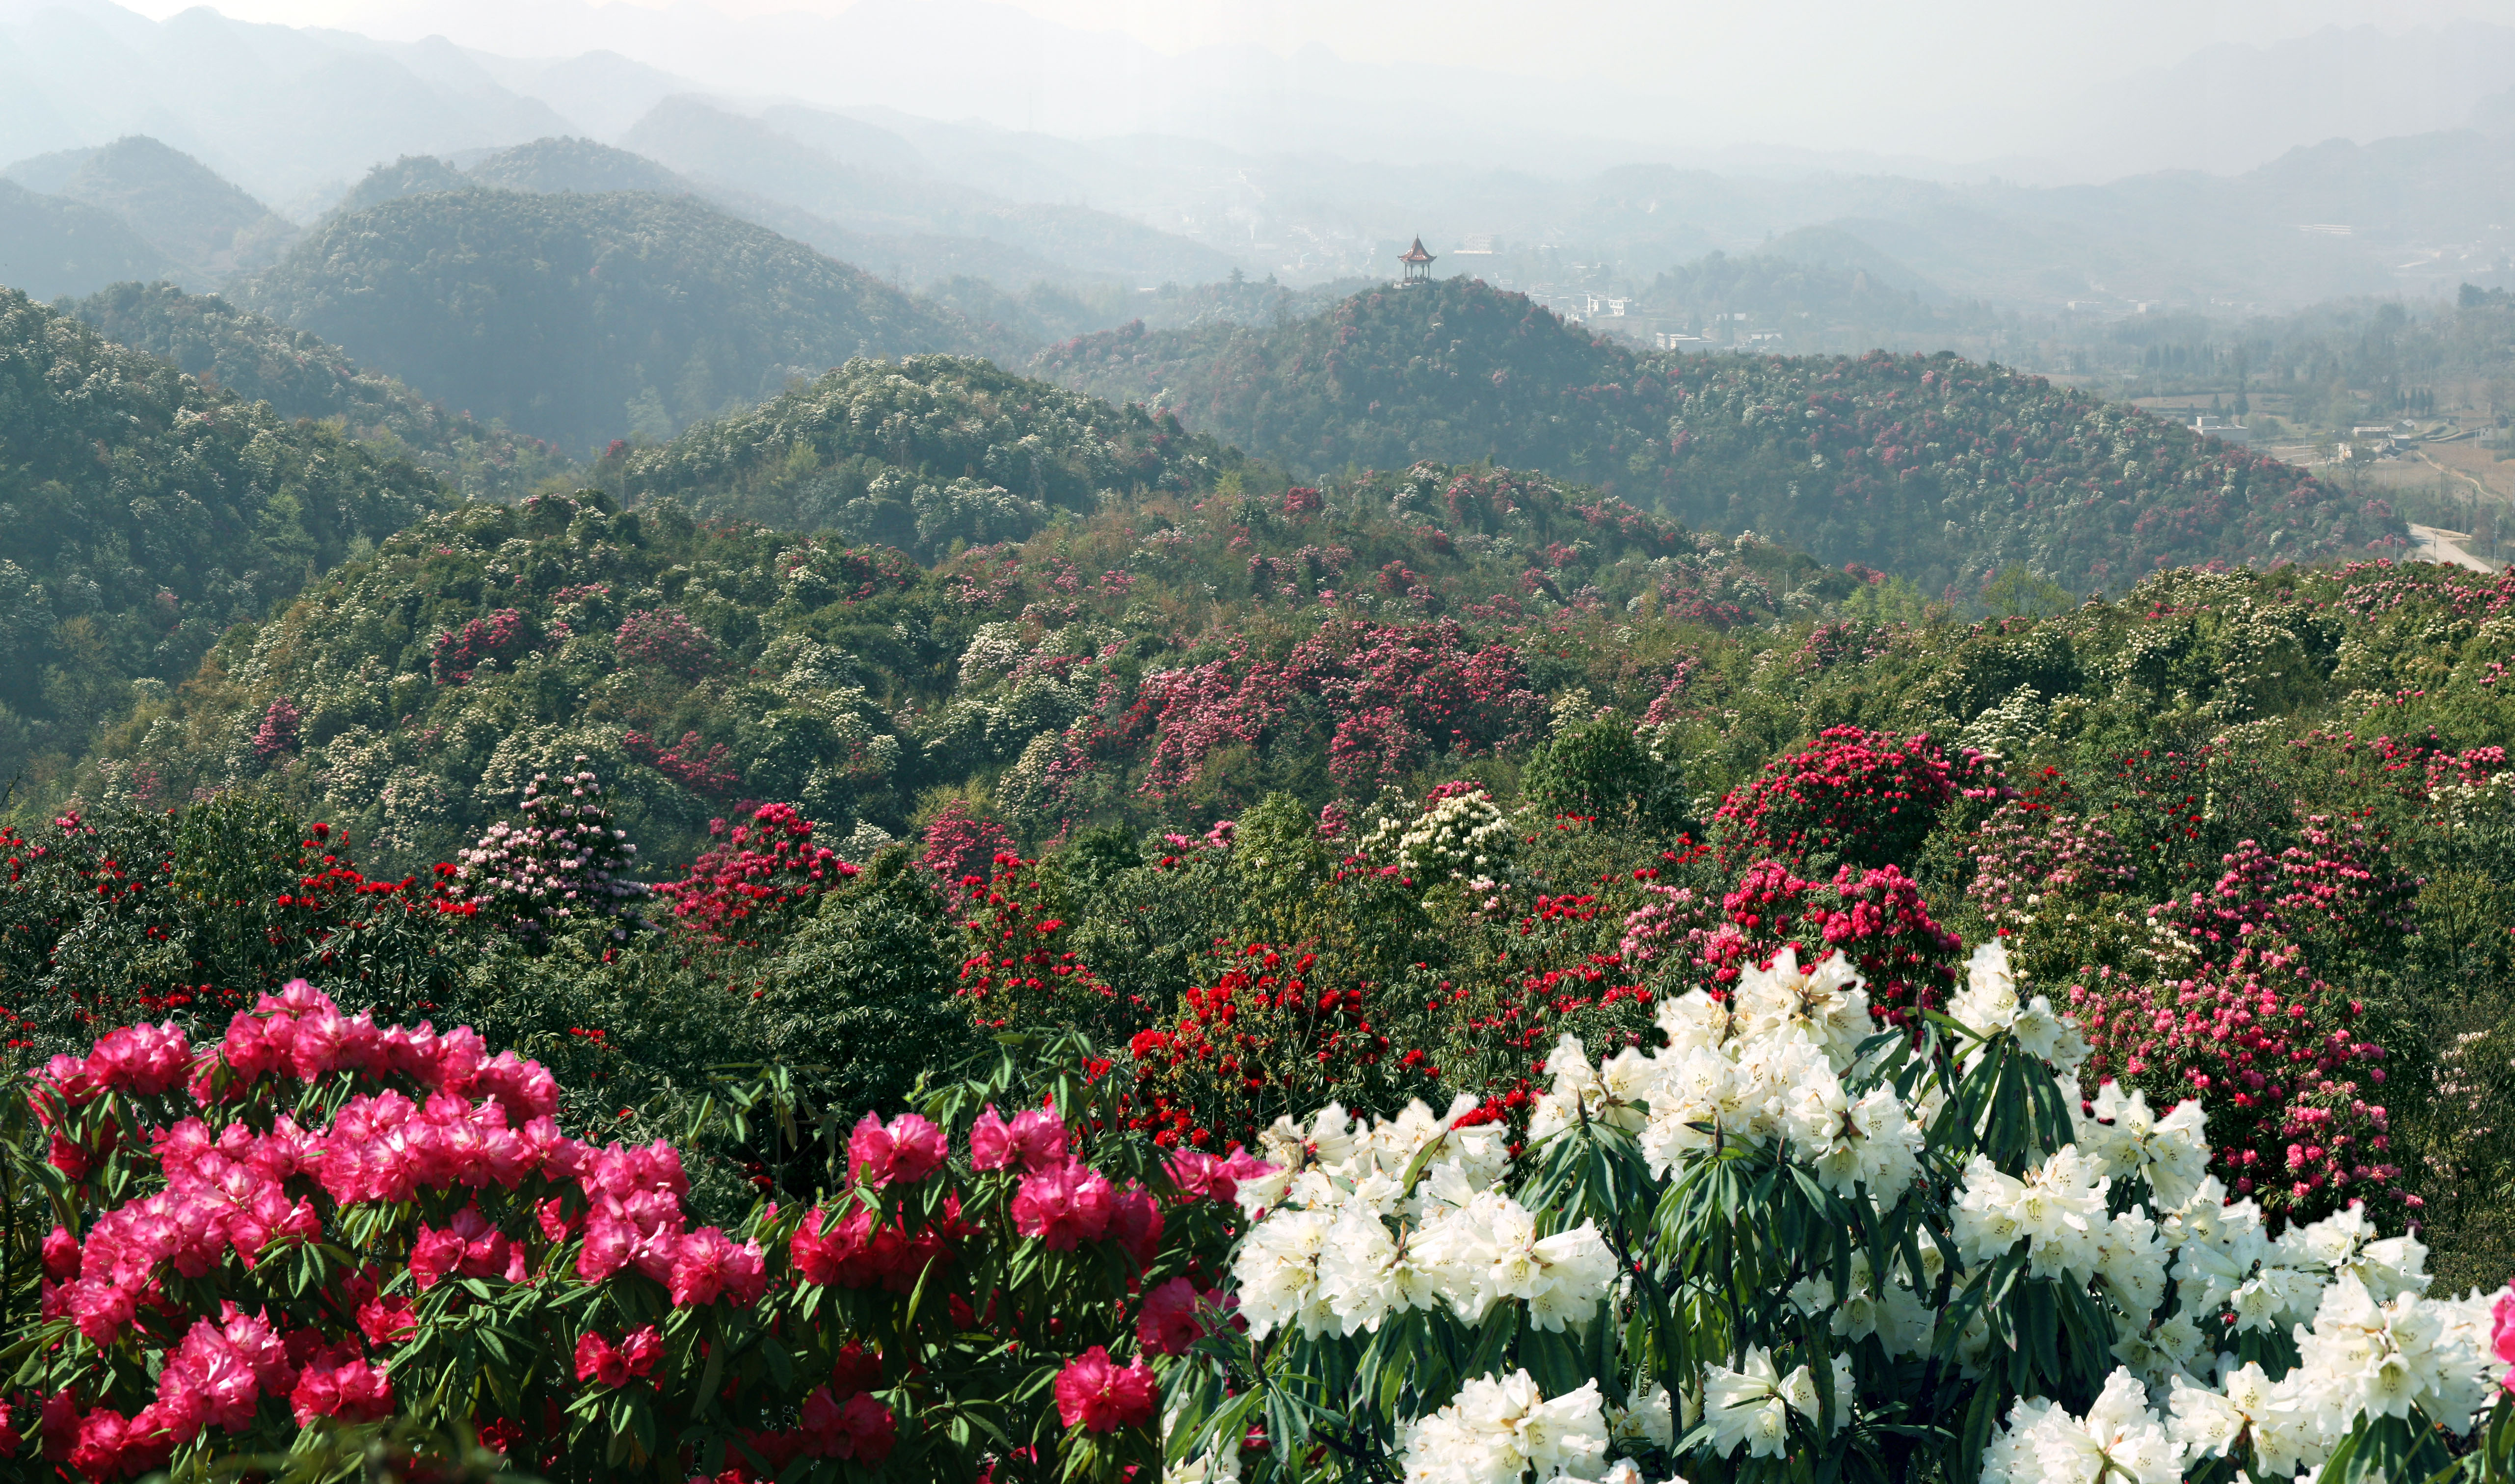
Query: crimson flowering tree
[(1860, 796), (1877, 919), (506, 634), (326, 1233), (1019, 972), (693, 762), (666, 640), (755, 886), (961, 845), (1266, 1039)]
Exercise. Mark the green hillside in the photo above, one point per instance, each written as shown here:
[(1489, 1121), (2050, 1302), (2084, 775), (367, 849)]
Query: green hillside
[(586, 318), (702, 658), (141, 515), (200, 221), (1939, 469), (570, 164), (49, 246), (261, 361), (919, 455)]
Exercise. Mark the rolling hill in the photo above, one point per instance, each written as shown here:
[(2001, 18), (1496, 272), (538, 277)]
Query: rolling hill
[(49, 246), (260, 359), (1940, 469), (208, 227), (142, 513), (920, 455), (587, 318)]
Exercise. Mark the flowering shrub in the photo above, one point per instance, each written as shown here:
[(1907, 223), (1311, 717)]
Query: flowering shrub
[(1864, 797), (960, 844), (1021, 971), (1461, 837), (2282, 1062), (1876, 919), (665, 638), (307, 1226), (276, 736), (1263, 1041), (754, 887), (1783, 1243), (565, 865), (506, 634), (692, 763)]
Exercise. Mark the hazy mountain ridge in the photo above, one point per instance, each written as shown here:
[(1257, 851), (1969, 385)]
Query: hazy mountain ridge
[(585, 319), (260, 359)]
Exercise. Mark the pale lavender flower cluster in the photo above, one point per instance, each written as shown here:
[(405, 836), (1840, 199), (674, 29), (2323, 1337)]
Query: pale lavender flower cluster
[(564, 862)]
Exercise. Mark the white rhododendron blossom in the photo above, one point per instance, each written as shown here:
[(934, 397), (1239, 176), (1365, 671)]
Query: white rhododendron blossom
[(2119, 1439), (1501, 1431), (1413, 1218)]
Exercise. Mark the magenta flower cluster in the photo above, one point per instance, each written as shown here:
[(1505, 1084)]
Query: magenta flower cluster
[(666, 640)]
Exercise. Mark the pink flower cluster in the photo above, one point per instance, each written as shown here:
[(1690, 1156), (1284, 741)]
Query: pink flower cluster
[(2024, 851), (277, 737), (1174, 1316), (908, 1149), (665, 638), (2276, 1056), (1097, 1394), (960, 844), (506, 634), (1401, 691), (565, 862)]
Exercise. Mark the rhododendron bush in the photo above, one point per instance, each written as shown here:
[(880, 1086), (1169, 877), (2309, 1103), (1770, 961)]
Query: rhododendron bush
[(324, 1231), (1785, 1238)]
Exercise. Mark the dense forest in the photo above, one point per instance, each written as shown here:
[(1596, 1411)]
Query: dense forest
[(1939, 469), (145, 515), (260, 360), (927, 455), (585, 319)]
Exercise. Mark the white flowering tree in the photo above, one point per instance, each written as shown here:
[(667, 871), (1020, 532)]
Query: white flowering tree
[(1795, 1243)]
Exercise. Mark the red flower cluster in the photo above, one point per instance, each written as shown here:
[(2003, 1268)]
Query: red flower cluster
[(506, 634), (756, 885), (1019, 970), (1864, 798), (1262, 1041)]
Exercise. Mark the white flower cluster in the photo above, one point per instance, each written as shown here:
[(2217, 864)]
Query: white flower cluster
[(1989, 1004), (1501, 1431), (2361, 1358), (1765, 1068), (1752, 1405), (1465, 838), (1347, 1243)]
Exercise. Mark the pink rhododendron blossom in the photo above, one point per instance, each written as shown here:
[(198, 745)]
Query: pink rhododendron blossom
[(1064, 1206), (1098, 1395), (909, 1148)]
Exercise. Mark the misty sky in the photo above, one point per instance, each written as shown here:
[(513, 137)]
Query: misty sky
[(1803, 47), (1959, 80)]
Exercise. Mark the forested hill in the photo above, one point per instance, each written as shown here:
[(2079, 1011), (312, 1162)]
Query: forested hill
[(1935, 467), (920, 454), (1092, 672), (141, 515), (301, 376), (587, 318)]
